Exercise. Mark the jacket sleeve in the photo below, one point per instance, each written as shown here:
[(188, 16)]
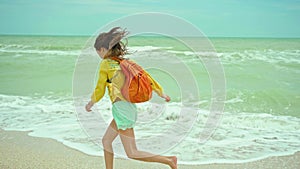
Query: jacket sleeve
[(155, 85), (101, 84)]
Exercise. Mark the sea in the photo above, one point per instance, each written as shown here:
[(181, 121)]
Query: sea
[(42, 78)]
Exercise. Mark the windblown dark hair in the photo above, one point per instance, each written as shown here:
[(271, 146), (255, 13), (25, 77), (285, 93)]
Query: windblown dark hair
[(112, 42)]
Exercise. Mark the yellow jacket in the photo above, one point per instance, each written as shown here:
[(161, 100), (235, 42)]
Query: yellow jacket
[(109, 68)]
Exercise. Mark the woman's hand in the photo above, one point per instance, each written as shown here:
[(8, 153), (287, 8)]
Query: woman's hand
[(89, 106), (166, 97)]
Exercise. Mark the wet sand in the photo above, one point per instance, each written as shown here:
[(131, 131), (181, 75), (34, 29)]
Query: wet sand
[(18, 151)]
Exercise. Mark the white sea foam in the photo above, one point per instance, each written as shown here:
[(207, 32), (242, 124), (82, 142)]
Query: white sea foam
[(146, 48), (240, 137), (18, 46), (40, 51), (269, 56), (236, 57)]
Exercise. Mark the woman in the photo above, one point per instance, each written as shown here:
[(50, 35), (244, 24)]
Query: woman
[(109, 45)]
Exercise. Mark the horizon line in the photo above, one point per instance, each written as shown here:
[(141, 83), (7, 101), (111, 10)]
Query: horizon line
[(89, 35)]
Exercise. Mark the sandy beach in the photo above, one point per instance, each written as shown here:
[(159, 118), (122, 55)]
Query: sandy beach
[(18, 150)]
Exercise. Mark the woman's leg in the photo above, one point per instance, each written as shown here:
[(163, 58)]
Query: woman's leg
[(128, 141), (109, 136)]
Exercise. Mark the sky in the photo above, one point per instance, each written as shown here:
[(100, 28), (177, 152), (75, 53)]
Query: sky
[(215, 18)]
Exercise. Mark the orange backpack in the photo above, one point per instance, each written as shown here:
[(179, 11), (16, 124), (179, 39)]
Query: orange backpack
[(137, 86)]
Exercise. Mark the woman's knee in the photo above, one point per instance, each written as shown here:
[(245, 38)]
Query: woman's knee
[(131, 154)]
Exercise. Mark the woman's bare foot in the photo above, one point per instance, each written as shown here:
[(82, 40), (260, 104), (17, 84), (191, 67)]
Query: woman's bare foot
[(173, 162)]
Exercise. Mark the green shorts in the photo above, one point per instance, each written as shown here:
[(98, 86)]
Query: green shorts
[(125, 114)]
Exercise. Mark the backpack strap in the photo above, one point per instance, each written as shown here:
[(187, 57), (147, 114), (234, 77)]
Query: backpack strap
[(110, 80), (119, 60)]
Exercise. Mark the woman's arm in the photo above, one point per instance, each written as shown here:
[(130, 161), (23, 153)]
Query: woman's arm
[(100, 87), (158, 89)]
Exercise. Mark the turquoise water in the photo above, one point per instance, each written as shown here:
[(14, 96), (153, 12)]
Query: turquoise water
[(262, 73), (262, 93)]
